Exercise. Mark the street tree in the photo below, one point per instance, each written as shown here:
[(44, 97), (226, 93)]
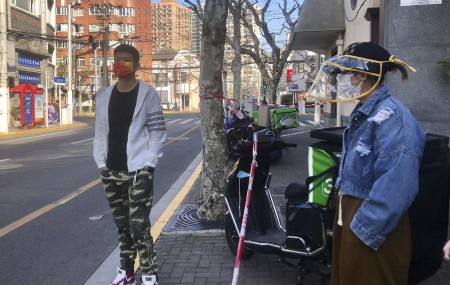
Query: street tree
[(214, 16), (271, 64), (253, 17)]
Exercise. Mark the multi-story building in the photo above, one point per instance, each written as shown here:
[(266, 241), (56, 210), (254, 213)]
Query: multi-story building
[(196, 35), (126, 22), (29, 49), (171, 26)]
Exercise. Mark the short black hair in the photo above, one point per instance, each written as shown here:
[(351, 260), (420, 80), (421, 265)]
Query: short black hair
[(128, 48)]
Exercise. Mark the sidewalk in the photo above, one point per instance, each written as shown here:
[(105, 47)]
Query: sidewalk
[(190, 251)]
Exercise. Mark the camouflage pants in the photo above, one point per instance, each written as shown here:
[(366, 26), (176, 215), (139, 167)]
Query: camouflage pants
[(130, 197)]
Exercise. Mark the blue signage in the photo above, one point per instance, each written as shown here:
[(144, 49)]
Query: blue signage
[(29, 78), (59, 80), (29, 61), (27, 108)]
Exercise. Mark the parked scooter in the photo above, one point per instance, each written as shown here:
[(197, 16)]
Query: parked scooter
[(239, 134), (308, 230)]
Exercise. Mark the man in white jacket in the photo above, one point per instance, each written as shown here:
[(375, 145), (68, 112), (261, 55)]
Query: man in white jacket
[(129, 135)]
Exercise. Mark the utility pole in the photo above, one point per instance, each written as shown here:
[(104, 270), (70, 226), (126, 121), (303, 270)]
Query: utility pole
[(105, 44), (69, 64), (4, 93)]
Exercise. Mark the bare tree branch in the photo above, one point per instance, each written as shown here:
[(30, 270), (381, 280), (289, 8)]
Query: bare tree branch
[(197, 8)]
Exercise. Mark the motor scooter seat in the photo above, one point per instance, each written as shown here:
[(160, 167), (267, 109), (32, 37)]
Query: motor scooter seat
[(297, 191)]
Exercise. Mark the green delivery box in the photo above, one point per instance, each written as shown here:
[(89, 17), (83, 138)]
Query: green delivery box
[(255, 117), (320, 159), (277, 114)]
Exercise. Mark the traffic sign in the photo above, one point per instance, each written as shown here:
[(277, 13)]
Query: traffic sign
[(59, 80)]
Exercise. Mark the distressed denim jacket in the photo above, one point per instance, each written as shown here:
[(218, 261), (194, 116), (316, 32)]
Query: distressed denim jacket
[(382, 149)]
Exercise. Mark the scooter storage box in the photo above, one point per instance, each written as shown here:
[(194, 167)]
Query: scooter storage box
[(303, 220), (277, 114), (322, 156), (429, 212)]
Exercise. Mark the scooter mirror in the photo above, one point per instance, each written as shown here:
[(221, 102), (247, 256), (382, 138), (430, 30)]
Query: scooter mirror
[(287, 121)]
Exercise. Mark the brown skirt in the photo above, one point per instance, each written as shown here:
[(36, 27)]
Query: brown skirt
[(355, 263)]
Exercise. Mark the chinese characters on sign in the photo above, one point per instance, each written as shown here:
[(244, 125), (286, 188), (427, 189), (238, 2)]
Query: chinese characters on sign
[(29, 78), (30, 62)]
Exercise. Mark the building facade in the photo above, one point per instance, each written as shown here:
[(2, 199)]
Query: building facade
[(99, 27), (30, 32), (172, 26)]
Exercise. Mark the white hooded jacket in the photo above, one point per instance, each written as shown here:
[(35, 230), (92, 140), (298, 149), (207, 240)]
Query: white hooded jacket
[(146, 134)]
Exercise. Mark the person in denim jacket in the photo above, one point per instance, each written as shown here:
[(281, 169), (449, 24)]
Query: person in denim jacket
[(379, 171)]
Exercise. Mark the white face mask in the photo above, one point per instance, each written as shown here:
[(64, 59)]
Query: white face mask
[(345, 88)]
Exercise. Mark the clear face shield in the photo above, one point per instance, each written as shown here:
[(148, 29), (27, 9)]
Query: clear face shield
[(336, 79)]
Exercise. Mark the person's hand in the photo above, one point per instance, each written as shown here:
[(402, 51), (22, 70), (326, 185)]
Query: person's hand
[(447, 251)]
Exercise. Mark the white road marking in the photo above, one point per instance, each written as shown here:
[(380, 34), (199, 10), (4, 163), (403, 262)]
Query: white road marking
[(197, 123), (286, 135), (173, 121), (186, 121), (3, 160), (79, 141)]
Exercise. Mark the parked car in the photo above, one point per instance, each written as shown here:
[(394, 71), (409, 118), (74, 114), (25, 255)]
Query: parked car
[(169, 106)]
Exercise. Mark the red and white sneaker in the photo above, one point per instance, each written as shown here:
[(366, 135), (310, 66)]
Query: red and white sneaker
[(124, 278), (149, 280)]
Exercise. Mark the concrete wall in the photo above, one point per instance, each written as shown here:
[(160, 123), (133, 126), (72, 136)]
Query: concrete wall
[(420, 35)]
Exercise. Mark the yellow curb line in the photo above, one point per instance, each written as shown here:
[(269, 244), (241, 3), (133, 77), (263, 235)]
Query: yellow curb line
[(42, 130), (162, 221)]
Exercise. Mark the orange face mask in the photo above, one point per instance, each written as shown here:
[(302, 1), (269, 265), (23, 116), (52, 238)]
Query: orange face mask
[(123, 69)]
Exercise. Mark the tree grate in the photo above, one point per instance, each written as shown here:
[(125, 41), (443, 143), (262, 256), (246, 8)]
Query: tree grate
[(185, 219)]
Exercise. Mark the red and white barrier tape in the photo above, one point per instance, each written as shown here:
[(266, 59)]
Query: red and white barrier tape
[(247, 205)]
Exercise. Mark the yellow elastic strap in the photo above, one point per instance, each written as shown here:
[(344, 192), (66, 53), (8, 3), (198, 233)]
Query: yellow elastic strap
[(392, 59)]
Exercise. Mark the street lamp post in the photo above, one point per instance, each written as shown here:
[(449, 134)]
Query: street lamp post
[(69, 59)]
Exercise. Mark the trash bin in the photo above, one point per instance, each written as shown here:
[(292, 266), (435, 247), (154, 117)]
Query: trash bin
[(430, 210)]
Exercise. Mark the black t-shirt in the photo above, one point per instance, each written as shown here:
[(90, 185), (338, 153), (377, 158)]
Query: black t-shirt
[(120, 112)]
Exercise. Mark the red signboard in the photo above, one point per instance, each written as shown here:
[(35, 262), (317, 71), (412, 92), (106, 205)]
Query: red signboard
[(289, 76), (27, 102)]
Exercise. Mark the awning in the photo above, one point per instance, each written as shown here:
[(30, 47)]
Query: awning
[(319, 23)]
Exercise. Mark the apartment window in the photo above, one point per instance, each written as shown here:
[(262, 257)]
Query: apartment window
[(95, 27), (78, 12), (62, 27), (27, 5), (80, 28), (61, 44), (125, 11), (80, 61), (95, 11), (61, 11), (79, 45)]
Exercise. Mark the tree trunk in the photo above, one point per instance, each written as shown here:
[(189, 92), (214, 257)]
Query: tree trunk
[(211, 205), (237, 61)]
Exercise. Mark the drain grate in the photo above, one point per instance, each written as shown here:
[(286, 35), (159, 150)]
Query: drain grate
[(185, 219)]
